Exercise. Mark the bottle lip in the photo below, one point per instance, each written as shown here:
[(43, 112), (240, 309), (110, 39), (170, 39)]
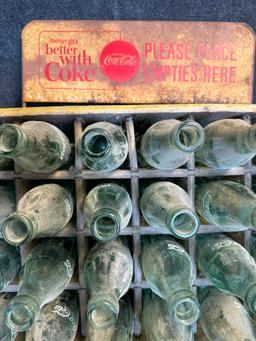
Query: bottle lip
[(88, 140), (183, 223), (10, 139), (195, 142), (99, 228)]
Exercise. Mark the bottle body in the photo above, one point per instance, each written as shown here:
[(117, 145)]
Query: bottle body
[(167, 144), (108, 271), (166, 205), (168, 270), (228, 266), (158, 324), (5, 333), (226, 204), (42, 211), (35, 146), (223, 317), (228, 143), (7, 201), (9, 264), (58, 320), (108, 209), (103, 146), (45, 274)]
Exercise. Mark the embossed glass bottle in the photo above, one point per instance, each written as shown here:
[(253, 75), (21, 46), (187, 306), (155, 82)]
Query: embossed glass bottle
[(167, 144), (121, 331), (168, 270), (41, 212), (166, 205), (228, 143), (103, 146), (229, 266), (7, 201), (108, 209), (9, 263), (45, 274), (58, 320), (158, 324), (6, 334), (226, 204), (223, 317), (35, 146), (108, 271)]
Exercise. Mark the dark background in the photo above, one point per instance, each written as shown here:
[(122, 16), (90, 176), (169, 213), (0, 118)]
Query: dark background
[(14, 15)]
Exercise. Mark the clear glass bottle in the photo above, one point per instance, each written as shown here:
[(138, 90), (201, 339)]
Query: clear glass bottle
[(223, 317), (158, 324), (7, 201), (166, 205), (42, 211), (168, 271), (226, 204), (121, 331), (45, 274), (58, 320), (6, 334), (228, 143), (108, 271), (229, 266), (108, 209), (9, 264), (103, 146), (167, 144), (35, 146)]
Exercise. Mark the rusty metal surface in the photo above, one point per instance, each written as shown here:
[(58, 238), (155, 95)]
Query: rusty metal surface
[(137, 62)]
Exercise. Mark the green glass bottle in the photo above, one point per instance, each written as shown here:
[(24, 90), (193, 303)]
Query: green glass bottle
[(167, 144), (58, 320), (166, 205), (103, 146), (107, 209), (43, 211), (45, 274), (223, 317), (226, 204), (5, 163), (108, 271), (35, 146), (228, 143), (158, 324), (228, 266), (6, 334), (7, 201), (121, 331), (9, 264), (168, 270)]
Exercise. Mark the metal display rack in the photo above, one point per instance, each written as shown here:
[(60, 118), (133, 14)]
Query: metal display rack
[(72, 120)]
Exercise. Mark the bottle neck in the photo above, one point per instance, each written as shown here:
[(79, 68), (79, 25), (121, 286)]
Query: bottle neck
[(187, 136), (102, 310), (251, 138), (182, 222), (106, 224), (250, 298), (183, 307), (18, 228), (13, 140), (22, 312), (96, 143)]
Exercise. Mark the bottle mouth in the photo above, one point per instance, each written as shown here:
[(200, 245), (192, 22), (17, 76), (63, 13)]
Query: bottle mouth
[(19, 317), (16, 229), (95, 142), (186, 311), (184, 223), (105, 225), (9, 139), (189, 136), (102, 314)]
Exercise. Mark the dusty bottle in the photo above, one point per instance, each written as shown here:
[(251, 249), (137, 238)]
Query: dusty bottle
[(7, 201), (6, 334), (228, 143), (9, 263), (45, 274), (58, 320), (229, 266), (103, 146), (41, 212), (167, 144), (121, 331), (35, 146), (168, 270), (223, 317), (166, 205), (226, 204), (108, 271), (158, 324), (108, 209)]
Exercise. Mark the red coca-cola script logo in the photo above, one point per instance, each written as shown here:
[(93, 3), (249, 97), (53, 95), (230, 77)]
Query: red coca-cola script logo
[(120, 61)]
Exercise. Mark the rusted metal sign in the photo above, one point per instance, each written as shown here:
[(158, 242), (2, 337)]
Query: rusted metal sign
[(137, 62)]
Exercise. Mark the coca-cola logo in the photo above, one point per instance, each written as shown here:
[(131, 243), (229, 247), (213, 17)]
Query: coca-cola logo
[(120, 61)]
